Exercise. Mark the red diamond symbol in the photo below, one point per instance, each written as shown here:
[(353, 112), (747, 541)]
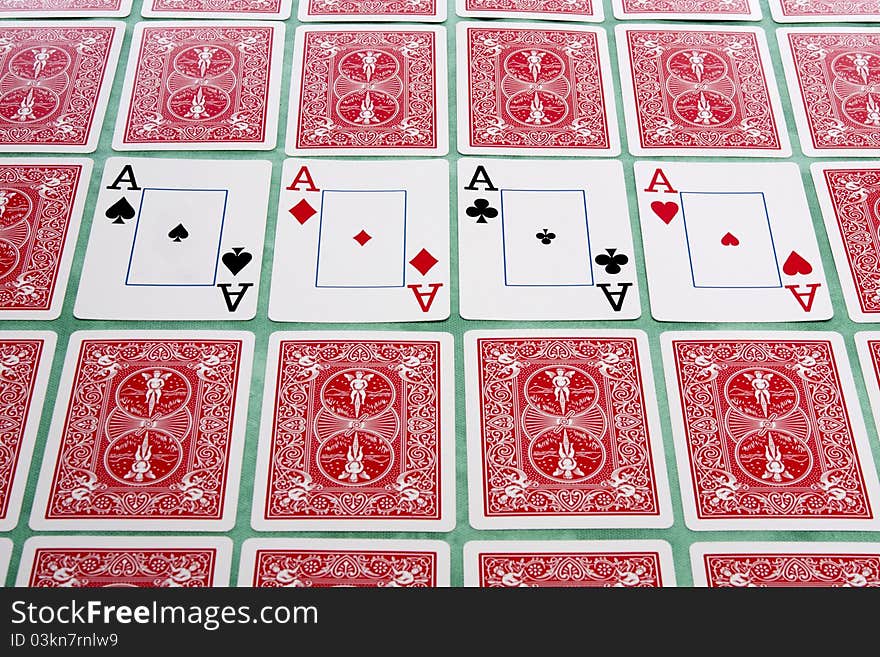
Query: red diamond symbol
[(362, 237), (423, 262), (302, 211)]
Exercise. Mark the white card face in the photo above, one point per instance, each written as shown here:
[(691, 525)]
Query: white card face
[(544, 240), (555, 563), (361, 241), (581, 11), (731, 564), (65, 8), (140, 561), (824, 11), (687, 10), (232, 9), (176, 240), (729, 243), (380, 11), (158, 419), (322, 562), (5, 556), (25, 365)]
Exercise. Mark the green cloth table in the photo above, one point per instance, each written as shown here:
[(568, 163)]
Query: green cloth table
[(679, 536)]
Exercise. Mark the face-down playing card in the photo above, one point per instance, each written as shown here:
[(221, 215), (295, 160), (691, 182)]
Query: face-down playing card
[(63, 8), (589, 11), (768, 432), (176, 240), (148, 432), (384, 11), (359, 432), (778, 564), (618, 564), (322, 563), (729, 242), (361, 241), (41, 205), (563, 431), (544, 240), (698, 10), (117, 561)]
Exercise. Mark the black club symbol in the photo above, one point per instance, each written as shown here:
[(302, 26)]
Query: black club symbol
[(611, 260), (482, 211), (545, 236)]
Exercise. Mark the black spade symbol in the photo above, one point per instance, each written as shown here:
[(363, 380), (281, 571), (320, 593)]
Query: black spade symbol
[(120, 211), (178, 233), (236, 260)]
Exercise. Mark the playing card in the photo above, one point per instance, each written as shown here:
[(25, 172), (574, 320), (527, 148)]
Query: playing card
[(768, 433), (770, 564), (358, 433), (364, 241), (563, 431), (729, 243), (25, 363), (824, 11), (589, 11), (324, 563), (832, 76), (868, 345), (534, 89), (698, 10), (41, 204), (55, 79), (246, 9), (368, 90), (849, 195), (568, 563), (341, 11), (201, 86), (5, 556), (544, 240), (689, 90), (148, 432), (113, 561), (63, 8), (176, 240)]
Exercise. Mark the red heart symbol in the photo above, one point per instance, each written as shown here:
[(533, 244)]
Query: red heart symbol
[(666, 211), (795, 264), (729, 239)]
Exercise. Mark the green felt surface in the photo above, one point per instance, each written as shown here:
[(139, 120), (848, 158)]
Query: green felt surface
[(678, 535)]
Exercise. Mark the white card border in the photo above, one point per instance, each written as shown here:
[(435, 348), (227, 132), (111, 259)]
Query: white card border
[(237, 438), (463, 84), (857, 425), (439, 16), (633, 134), (222, 544), (700, 549), (447, 463), (101, 101), (123, 11), (473, 549), (283, 13), (31, 423), (798, 108), (622, 15), (273, 97), (441, 95), (597, 16), (835, 239), (65, 260), (247, 561), (92, 311), (779, 16), (479, 520)]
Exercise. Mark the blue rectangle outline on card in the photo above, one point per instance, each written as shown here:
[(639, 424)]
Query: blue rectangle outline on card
[(591, 280), (219, 238), (402, 255), (769, 232)]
